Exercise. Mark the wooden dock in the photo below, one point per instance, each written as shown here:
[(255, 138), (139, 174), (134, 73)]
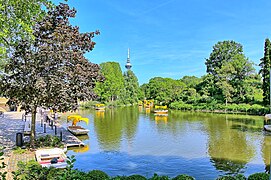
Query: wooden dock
[(43, 128), (67, 137)]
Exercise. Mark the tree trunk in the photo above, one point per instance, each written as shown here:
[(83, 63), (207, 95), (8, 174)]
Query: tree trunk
[(33, 127)]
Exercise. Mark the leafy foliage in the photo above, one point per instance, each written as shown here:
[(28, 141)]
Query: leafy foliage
[(19, 150), (183, 177), (48, 141), (3, 165), (131, 90), (113, 86), (52, 72), (231, 79), (157, 177), (265, 71), (97, 174), (17, 18), (230, 70), (32, 170), (258, 176)]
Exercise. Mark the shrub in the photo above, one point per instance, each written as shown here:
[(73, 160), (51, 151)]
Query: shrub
[(18, 150), (2, 166), (119, 178), (157, 177), (136, 177), (240, 177), (30, 170), (258, 176), (232, 107), (88, 105), (244, 107), (226, 178), (97, 175), (48, 141), (183, 177)]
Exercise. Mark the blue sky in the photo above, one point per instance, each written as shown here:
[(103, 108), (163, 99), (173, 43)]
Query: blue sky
[(171, 38)]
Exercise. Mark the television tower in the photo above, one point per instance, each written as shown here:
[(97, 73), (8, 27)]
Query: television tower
[(128, 64)]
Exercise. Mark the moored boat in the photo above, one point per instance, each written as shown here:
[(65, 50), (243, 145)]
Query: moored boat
[(100, 107), (78, 130), (160, 110), (74, 128), (55, 157), (267, 127)]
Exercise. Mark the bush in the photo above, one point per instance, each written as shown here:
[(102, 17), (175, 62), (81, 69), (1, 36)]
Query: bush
[(30, 170), (119, 178), (136, 177), (240, 177), (89, 104), (2, 165), (157, 177), (258, 176), (183, 177), (244, 107), (237, 177), (97, 175), (232, 107), (19, 150), (48, 141), (258, 109)]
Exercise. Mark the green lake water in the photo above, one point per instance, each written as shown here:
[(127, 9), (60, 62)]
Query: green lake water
[(131, 140)]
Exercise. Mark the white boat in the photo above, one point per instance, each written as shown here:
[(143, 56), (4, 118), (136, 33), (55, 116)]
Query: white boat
[(267, 116), (51, 157), (160, 110), (78, 130), (267, 127)]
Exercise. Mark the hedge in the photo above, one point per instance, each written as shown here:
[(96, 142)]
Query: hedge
[(244, 108), (32, 170)]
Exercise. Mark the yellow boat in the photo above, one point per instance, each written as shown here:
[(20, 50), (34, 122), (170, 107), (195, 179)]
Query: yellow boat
[(77, 130), (100, 107), (161, 110)]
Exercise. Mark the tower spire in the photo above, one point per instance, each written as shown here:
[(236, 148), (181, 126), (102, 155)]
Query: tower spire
[(128, 64)]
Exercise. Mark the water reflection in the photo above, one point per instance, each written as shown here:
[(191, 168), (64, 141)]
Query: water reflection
[(82, 149), (99, 114), (228, 148), (266, 150), (221, 144), (115, 125), (161, 119)]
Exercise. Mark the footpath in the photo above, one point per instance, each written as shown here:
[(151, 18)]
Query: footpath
[(13, 123)]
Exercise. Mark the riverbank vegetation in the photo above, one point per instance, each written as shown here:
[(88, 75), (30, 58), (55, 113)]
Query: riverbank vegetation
[(230, 85), (32, 170)]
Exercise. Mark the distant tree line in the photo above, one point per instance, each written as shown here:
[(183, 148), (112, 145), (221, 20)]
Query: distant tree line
[(231, 82)]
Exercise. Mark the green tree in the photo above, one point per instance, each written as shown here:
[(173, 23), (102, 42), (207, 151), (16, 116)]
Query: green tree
[(222, 53), (164, 90), (265, 71), (206, 88), (230, 69), (113, 86), (17, 19), (52, 72), (131, 87), (190, 81)]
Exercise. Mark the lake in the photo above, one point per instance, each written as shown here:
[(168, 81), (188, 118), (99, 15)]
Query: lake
[(131, 140)]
